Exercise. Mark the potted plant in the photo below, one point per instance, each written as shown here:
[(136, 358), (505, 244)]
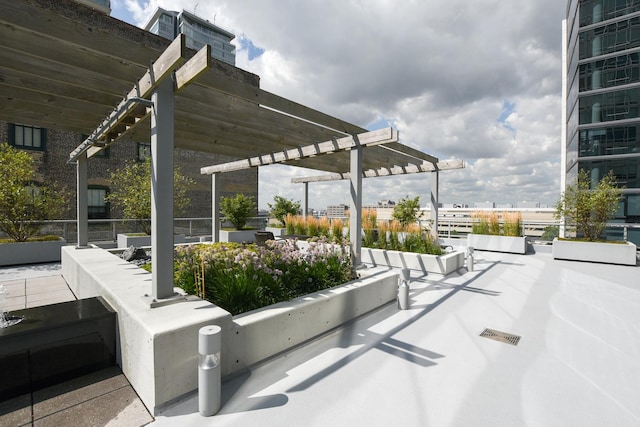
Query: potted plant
[(586, 207), (237, 210), (487, 234), (280, 210), (131, 193), (24, 207)]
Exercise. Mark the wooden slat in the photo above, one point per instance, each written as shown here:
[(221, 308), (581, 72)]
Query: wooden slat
[(369, 138), (225, 84), (161, 68), (194, 67)]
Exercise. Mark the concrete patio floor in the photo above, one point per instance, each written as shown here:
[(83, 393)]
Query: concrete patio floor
[(101, 398), (577, 362)]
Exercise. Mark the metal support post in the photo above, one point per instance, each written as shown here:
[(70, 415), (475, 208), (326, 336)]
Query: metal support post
[(215, 207), (209, 344), (469, 258), (355, 219), (82, 195)]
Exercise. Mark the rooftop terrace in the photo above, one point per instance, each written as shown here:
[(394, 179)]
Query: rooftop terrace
[(576, 362)]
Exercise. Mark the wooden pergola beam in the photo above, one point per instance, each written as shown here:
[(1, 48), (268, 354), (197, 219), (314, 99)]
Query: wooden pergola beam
[(378, 137), (396, 170), (173, 56)]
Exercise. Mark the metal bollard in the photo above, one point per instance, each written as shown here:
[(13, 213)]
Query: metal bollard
[(209, 344), (469, 258), (403, 289)]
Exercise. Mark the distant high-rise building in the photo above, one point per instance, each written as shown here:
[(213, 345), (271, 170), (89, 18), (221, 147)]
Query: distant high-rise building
[(198, 32), (602, 97), (103, 6)]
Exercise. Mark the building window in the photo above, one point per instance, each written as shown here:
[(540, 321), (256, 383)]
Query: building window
[(98, 208), (144, 151), (27, 137)]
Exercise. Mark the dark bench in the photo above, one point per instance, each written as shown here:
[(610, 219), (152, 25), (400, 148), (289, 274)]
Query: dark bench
[(55, 343)]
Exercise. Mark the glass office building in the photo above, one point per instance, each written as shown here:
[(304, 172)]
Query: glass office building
[(199, 32), (602, 98)]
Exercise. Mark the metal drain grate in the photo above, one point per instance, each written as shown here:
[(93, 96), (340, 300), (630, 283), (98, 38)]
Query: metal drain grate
[(500, 336)]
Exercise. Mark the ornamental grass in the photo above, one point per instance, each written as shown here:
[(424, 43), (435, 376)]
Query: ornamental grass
[(241, 278)]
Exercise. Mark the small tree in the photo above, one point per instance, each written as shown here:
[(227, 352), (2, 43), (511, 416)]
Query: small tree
[(23, 206), (282, 207), (238, 209), (589, 209), (407, 210), (131, 192)]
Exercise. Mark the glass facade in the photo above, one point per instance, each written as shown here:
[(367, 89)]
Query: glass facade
[(603, 97), (198, 32)]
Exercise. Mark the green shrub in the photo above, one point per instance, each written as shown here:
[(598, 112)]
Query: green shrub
[(24, 207), (588, 206), (238, 209), (282, 208)]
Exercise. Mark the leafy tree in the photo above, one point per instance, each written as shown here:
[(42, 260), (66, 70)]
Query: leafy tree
[(282, 207), (24, 206), (238, 209), (587, 208), (131, 192), (407, 210)]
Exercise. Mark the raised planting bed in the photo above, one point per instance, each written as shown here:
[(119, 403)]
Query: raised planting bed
[(440, 264), (609, 253), (30, 252), (487, 242), (157, 348)]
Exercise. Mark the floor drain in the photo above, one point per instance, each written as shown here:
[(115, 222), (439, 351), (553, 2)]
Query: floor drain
[(500, 336)]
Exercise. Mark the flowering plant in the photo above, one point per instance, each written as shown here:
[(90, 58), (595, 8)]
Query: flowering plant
[(240, 278)]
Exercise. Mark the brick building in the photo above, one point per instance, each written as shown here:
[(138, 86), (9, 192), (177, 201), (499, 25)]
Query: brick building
[(50, 149)]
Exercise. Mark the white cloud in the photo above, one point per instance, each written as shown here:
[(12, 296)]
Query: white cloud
[(440, 72)]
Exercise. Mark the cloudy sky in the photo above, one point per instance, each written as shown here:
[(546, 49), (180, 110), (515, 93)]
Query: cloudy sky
[(473, 80)]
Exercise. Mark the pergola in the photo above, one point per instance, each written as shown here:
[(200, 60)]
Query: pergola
[(65, 66)]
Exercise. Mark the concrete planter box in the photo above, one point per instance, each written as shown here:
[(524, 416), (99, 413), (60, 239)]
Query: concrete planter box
[(485, 242), (30, 252), (609, 253), (439, 264), (126, 240), (238, 236), (157, 348), (263, 333)]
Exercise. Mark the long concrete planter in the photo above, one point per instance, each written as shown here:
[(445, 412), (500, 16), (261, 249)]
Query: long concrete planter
[(609, 253), (485, 242), (238, 236), (440, 264), (126, 240), (30, 252), (157, 348), (263, 333)]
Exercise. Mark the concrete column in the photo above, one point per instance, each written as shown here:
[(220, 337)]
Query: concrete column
[(434, 202), (355, 220), (162, 134), (305, 200), (82, 201), (215, 207)]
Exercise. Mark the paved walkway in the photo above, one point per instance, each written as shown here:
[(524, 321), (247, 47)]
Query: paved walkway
[(577, 362), (99, 399)]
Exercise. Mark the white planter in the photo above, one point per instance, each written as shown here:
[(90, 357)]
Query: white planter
[(609, 253), (440, 264), (485, 242), (238, 236), (126, 240), (30, 252)]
